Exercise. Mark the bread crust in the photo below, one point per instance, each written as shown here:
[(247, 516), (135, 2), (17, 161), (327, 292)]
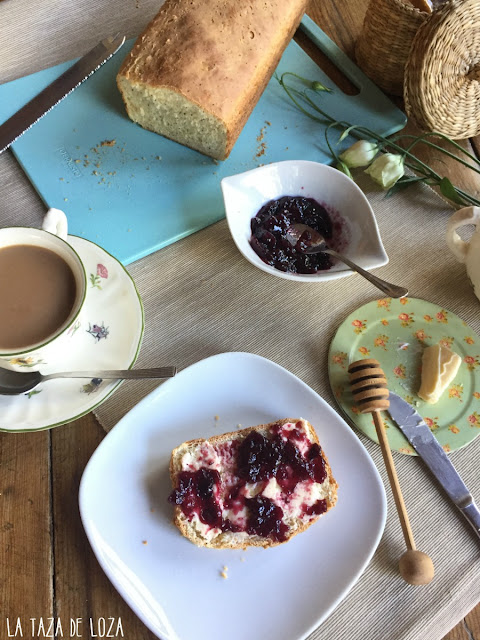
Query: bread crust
[(242, 541), (218, 54)]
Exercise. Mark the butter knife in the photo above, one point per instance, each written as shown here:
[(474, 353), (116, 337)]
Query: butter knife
[(426, 445), (29, 114)]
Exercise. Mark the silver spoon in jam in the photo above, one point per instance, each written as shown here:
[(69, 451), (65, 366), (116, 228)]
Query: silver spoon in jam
[(308, 240)]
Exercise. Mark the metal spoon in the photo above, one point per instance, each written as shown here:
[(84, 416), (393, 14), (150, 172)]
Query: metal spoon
[(15, 382), (308, 240)]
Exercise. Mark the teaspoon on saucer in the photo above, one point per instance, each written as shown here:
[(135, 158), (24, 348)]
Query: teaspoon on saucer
[(15, 382), (308, 240)]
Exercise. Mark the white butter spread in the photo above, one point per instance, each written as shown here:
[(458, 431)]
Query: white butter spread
[(439, 367)]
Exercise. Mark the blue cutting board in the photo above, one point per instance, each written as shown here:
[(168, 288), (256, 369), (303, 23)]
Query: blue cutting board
[(143, 192)]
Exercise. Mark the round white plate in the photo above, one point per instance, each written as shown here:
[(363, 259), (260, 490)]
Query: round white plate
[(108, 336)]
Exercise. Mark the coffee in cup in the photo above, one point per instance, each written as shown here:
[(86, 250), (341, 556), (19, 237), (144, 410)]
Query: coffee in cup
[(42, 291)]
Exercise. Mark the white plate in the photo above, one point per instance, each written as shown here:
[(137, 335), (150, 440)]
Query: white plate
[(244, 195), (175, 587), (108, 336)]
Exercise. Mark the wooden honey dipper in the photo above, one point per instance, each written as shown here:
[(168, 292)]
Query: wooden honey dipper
[(369, 388)]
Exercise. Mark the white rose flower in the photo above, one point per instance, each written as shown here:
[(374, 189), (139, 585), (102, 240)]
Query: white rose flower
[(359, 154), (386, 169)]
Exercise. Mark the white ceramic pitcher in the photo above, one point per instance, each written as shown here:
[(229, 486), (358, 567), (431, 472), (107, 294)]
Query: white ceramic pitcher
[(466, 252)]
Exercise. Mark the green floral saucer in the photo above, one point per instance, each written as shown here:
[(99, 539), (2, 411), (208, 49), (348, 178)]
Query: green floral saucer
[(395, 332)]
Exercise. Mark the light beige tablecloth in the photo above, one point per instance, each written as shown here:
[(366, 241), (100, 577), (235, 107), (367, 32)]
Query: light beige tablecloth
[(201, 297)]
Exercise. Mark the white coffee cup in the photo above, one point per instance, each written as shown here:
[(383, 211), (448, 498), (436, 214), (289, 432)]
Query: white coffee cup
[(466, 252), (53, 236)]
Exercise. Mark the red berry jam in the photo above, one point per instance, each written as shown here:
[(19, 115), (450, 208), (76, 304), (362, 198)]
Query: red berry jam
[(265, 519), (269, 229), (195, 494), (256, 459)]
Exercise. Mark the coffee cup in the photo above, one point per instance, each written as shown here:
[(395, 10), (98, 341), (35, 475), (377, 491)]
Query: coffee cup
[(466, 252), (43, 286)]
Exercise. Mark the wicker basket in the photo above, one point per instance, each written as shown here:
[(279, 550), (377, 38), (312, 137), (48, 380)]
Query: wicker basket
[(442, 74), (384, 45)]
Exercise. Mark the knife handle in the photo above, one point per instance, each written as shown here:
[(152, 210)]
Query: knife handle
[(472, 514)]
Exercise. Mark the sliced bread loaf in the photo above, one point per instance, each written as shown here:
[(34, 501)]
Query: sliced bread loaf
[(259, 486), (196, 72)]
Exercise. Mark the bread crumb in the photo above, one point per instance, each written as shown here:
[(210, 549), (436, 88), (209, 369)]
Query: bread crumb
[(65, 199), (144, 542), (108, 143), (224, 572), (239, 426), (217, 418)]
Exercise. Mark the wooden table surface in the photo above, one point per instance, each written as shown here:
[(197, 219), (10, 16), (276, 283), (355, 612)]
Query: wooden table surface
[(47, 566)]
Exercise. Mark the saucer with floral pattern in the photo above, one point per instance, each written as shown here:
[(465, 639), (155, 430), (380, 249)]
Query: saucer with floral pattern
[(107, 335)]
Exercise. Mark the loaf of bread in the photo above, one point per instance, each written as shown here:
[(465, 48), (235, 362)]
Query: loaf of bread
[(197, 71), (259, 486)]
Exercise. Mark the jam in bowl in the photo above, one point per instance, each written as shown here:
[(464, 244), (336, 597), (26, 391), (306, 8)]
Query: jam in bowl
[(261, 203)]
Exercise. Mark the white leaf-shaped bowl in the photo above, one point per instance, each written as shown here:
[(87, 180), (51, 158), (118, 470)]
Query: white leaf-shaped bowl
[(244, 194)]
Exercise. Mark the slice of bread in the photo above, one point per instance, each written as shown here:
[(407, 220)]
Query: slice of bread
[(259, 486)]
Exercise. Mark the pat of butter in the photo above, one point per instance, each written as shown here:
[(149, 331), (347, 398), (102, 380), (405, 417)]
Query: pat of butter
[(439, 368)]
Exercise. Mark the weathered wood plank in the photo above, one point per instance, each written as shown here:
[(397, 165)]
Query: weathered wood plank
[(26, 566), (82, 590)]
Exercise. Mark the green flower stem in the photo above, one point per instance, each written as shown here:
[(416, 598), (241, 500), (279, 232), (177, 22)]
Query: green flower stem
[(411, 161), (441, 149), (434, 134)]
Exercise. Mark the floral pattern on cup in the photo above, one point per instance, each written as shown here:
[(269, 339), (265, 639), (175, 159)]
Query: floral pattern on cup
[(96, 278), (92, 386), (26, 362), (99, 332), (74, 328)]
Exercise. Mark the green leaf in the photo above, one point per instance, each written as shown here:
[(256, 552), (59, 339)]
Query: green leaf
[(347, 131), (449, 191), (318, 86), (403, 183)]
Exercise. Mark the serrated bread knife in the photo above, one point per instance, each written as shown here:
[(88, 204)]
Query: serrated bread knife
[(426, 445), (25, 117)]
